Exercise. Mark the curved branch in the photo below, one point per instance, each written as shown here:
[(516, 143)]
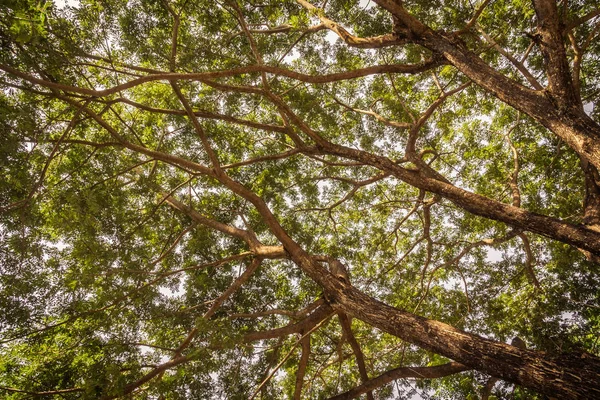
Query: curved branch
[(323, 312), (207, 77), (518, 64), (574, 23), (305, 335), (149, 376), (203, 114), (437, 371), (375, 42), (556, 109), (474, 18), (46, 393), (578, 236)]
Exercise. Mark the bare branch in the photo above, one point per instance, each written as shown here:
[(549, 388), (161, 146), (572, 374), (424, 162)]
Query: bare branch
[(582, 20), (487, 388), (149, 376), (233, 288), (293, 314), (207, 77), (271, 157), (302, 367), (378, 117), (307, 334), (46, 393), (474, 18), (203, 114), (438, 371), (323, 312), (518, 64), (358, 354), (375, 42)]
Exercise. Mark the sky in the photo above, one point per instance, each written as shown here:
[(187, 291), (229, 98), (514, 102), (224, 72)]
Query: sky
[(62, 3)]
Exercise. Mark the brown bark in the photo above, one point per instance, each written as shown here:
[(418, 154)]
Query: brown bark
[(524, 367), (578, 236), (572, 376), (324, 311), (207, 77), (437, 371), (552, 46), (480, 205), (358, 354), (553, 108), (305, 342), (563, 375), (129, 388), (487, 388), (550, 375), (351, 40), (591, 203)]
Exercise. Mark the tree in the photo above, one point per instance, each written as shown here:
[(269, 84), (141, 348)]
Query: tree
[(286, 199)]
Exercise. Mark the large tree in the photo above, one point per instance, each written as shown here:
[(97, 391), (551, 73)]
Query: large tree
[(285, 199)]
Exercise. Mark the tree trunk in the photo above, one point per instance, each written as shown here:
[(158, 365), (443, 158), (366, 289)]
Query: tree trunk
[(571, 376)]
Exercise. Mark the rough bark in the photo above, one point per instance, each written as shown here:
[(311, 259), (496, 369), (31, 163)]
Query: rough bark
[(573, 376), (550, 375), (321, 313), (553, 108), (576, 235), (591, 203), (527, 368)]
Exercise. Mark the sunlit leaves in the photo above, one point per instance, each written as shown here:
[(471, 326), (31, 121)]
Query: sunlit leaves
[(102, 280)]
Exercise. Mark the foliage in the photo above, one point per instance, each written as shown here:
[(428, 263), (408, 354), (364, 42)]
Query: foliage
[(129, 215)]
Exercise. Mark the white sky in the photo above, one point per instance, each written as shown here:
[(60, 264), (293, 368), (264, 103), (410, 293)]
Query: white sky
[(60, 4)]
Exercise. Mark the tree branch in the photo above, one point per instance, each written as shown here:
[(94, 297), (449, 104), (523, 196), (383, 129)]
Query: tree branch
[(552, 46), (358, 354), (207, 77), (437, 371), (305, 342), (574, 23), (375, 42)]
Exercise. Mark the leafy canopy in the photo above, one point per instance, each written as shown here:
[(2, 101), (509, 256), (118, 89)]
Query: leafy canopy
[(130, 221)]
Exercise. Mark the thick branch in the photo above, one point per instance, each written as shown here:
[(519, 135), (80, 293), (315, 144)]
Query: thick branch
[(479, 205), (552, 46), (582, 20), (149, 376), (558, 112)]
